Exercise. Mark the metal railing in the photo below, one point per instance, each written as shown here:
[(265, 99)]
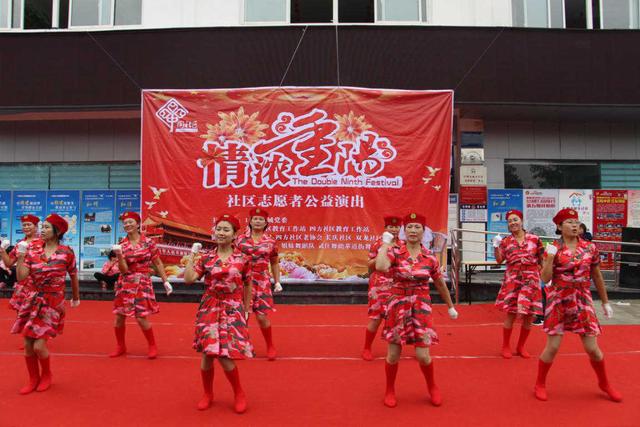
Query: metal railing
[(457, 250)]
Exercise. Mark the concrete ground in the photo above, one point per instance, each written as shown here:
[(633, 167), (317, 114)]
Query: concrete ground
[(625, 312)]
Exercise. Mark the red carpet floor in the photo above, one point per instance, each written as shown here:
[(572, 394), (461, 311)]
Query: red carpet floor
[(319, 378)]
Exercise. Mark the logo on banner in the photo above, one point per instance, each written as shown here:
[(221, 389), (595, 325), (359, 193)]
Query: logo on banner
[(309, 150), (172, 113)]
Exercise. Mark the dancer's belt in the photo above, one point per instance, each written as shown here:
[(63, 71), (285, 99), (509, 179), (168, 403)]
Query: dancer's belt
[(142, 270), (521, 267), (409, 291), (220, 294), (573, 285)]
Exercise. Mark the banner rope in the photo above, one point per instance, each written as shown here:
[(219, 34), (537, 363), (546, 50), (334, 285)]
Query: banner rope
[(479, 58), (337, 56), (120, 66), (304, 30)]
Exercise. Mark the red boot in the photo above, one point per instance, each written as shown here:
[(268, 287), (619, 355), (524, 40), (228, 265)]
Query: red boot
[(540, 388), (520, 351), (34, 374), (45, 375), (268, 339), (368, 340), (153, 349), (506, 337), (240, 400), (603, 381), (390, 394), (120, 347), (207, 385), (434, 391)]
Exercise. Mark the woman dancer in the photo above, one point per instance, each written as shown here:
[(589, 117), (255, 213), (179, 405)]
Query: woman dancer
[(41, 314), (572, 263), (408, 319), (379, 286), (134, 291), (262, 252), (520, 293), (221, 321)]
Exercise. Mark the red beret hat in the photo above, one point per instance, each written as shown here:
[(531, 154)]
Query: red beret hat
[(258, 212), (58, 222), (565, 214), (392, 220), (515, 212), (415, 218), (230, 219), (30, 218), (132, 215)]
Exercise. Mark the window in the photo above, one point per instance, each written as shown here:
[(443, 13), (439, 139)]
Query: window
[(355, 11), (401, 10), (128, 12), (551, 174), (265, 10), (575, 14), (619, 14), (105, 12), (311, 11), (5, 10), (556, 13), (38, 14)]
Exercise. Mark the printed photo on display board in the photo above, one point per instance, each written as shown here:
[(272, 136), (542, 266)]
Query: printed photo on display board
[(98, 214), (326, 163)]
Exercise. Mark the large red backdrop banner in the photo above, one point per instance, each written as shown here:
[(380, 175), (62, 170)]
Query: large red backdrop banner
[(326, 163)]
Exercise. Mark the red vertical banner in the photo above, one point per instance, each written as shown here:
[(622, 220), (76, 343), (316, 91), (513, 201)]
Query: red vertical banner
[(326, 163), (609, 218)]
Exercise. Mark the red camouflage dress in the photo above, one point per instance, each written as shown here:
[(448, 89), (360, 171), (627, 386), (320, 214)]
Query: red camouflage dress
[(408, 319), (520, 292), (42, 312), (569, 303), (260, 255), (22, 288), (221, 329), (379, 286), (134, 290)]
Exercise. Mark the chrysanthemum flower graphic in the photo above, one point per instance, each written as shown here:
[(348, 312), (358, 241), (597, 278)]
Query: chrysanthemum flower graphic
[(350, 126), (219, 133), (245, 128)]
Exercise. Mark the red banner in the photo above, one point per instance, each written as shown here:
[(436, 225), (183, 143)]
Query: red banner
[(609, 218), (326, 163)]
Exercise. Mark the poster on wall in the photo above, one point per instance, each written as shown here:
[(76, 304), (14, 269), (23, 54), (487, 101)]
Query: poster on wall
[(473, 203), (609, 218), (24, 203), (633, 208), (540, 206), (581, 201), (67, 205), (5, 215), (500, 201), (98, 214), (327, 163), (126, 200), (453, 216)]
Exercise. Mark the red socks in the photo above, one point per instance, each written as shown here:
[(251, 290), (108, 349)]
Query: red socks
[(34, 374), (240, 404), (207, 385), (120, 348), (603, 381), (390, 394), (368, 340), (45, 375), (524, 334), (540, 387), (153, 349), (268, 339), (506, 336), (434, 391)]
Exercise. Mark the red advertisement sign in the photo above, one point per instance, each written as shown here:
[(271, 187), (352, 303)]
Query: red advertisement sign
[(326, 163), (609, 217)]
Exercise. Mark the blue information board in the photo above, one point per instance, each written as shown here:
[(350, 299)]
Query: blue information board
[(5, 215), (98, 213), (499, 203), (26, 202), (126, 200)]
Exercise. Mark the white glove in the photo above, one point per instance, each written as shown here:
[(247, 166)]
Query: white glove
[(387, 238), (5, 244), (74, 303), (195, 248), (608, 311), (246, 315), (551, 249), (22, 247), (452, 313), (117, 249), (496, 241), (167, 287), (277, 287)]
